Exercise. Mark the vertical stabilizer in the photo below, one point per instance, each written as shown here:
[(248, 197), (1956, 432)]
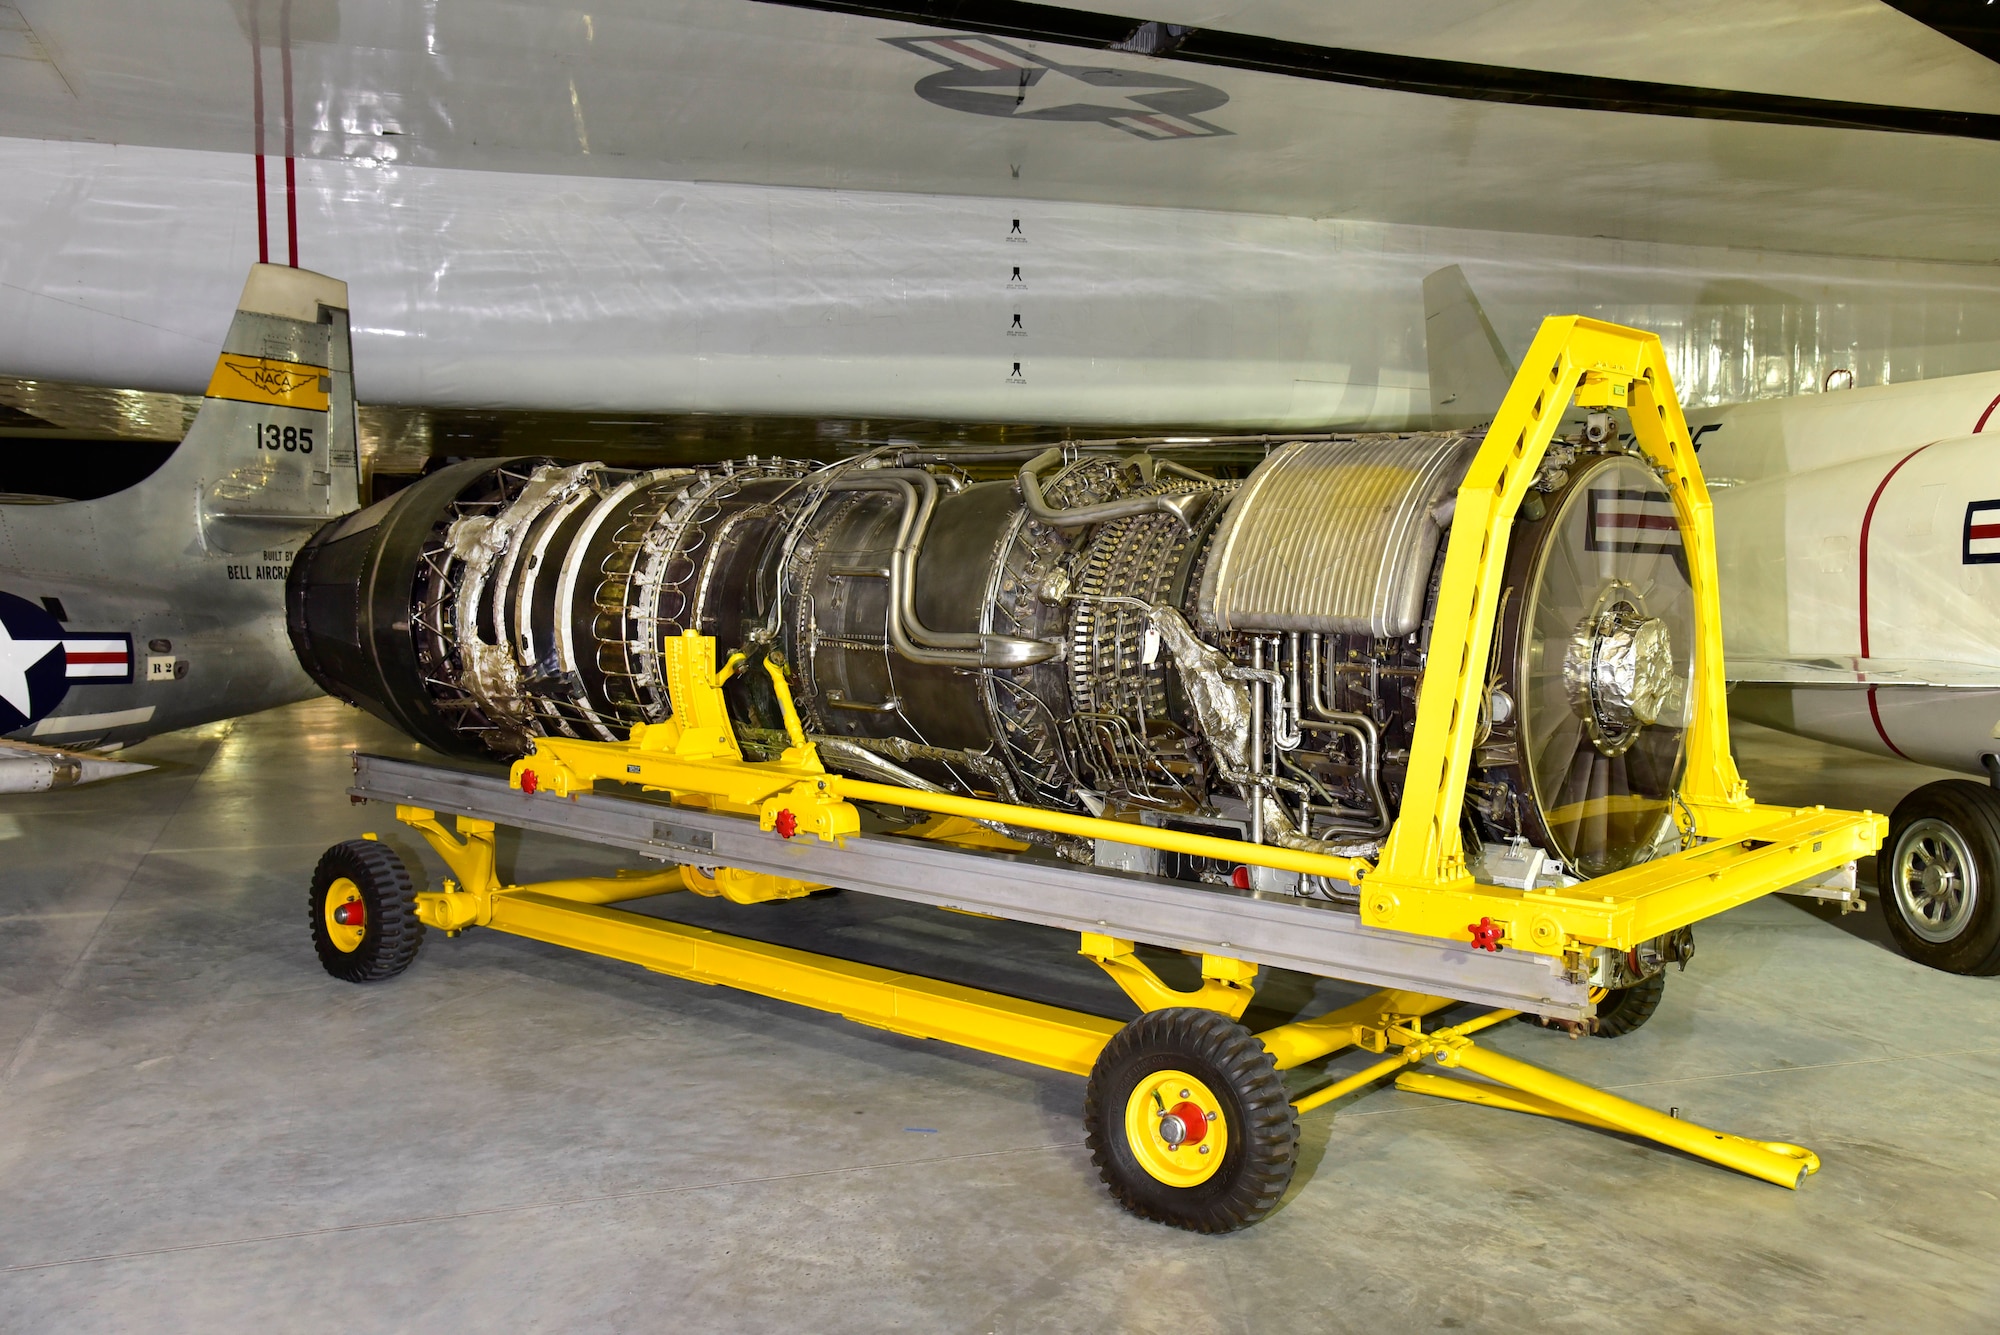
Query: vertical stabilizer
[(161, 606), (1470, 370), (275, 441)]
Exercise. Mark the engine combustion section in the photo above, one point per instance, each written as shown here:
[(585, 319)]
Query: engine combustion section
[(1223, 638)]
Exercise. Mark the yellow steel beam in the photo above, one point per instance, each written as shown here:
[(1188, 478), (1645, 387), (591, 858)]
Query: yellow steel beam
[(1416, 1046), (1493, 1096), (1364, 1023), (1623, 908), (617, 889), (903, 1003), (1093, 827), (1361, 1079)]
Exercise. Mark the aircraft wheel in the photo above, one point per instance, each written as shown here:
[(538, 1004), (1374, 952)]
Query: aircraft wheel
[(363, 910), (1939, 874), (1622, 1009), (1188, 1121)]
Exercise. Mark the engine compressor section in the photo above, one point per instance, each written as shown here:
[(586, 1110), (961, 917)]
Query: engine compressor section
[(1224, 637)]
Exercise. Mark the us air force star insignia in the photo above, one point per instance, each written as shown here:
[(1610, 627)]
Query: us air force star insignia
[(989, 77), (33, 675)]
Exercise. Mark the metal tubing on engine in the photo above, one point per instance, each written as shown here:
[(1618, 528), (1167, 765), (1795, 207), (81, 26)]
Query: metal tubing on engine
[(907, 634), (1362, 728), (1256, 740), (1182, 507), (1092, 827)]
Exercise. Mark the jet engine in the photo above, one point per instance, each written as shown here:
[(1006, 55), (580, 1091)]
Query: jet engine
[(1225, 637)]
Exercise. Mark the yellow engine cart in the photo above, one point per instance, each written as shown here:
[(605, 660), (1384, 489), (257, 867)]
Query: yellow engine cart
[(1188, 1116)]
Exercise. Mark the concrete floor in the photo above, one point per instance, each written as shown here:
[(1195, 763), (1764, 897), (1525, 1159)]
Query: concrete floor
[(200, 1131)]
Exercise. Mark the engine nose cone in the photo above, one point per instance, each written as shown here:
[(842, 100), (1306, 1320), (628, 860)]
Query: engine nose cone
[(1619, 671)]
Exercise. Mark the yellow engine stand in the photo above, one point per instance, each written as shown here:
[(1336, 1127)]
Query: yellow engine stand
[(1420, 884), (571, 913)]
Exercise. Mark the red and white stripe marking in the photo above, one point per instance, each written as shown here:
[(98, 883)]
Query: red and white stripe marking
[(1159, 125), (1982, 531), (974, 53), (1624, 521), (90, 657)]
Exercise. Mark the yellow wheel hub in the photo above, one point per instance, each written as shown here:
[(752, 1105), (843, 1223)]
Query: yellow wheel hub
[(1176, 1128), (346, 916)]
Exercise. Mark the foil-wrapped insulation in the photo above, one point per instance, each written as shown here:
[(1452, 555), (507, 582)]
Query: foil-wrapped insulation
[(1334, 536)]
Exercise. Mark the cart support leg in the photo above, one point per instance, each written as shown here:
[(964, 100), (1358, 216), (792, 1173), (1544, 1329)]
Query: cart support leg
[(1524, 1087), (1226, 984), (1774, 1161), (467, 897)]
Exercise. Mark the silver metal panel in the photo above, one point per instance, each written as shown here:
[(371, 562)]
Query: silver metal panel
[(1333, 536), (1280, 932)]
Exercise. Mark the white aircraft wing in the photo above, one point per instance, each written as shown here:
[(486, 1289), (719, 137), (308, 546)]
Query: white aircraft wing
[(1931, 673)]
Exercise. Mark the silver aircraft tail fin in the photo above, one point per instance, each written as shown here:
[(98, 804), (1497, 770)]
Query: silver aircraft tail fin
[(273, 451), (1470, 370)]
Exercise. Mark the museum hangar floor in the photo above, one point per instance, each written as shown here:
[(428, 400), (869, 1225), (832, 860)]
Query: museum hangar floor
[(204, 1131)]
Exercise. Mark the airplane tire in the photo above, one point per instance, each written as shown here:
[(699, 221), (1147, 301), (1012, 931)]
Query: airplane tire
[(363, 911), (1188, 1121), (1939, 873)]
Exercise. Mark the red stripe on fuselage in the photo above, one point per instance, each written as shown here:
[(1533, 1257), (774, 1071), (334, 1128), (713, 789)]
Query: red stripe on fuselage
[(1875, 713), (1980, 425), (1867, 521)]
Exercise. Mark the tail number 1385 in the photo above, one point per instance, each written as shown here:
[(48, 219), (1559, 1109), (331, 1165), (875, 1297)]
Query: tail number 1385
[(290, 439)]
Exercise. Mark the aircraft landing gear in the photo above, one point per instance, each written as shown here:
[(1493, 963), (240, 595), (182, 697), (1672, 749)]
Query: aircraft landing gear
[(1940, 876)]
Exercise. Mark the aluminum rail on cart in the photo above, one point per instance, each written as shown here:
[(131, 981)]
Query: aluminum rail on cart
[(1277, 931)]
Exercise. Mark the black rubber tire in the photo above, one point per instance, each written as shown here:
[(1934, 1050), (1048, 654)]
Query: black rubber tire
[(1623, 1009), (1972, 811), (393, 931), (1264, 1131)]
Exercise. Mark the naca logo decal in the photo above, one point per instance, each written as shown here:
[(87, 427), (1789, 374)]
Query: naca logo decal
[(40, 661), (993, 78)]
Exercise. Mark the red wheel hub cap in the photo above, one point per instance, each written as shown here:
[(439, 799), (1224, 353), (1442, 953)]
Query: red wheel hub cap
[(1194, 1122)]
